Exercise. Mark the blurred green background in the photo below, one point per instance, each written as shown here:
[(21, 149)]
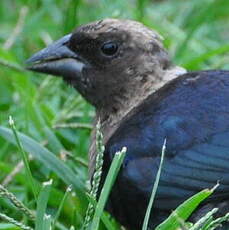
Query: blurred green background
[(195, 33)]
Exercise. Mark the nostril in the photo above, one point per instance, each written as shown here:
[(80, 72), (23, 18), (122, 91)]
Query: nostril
[(65, 43)]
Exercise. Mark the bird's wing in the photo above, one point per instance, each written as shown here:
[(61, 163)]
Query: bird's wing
[(189, 171), (192, 113)]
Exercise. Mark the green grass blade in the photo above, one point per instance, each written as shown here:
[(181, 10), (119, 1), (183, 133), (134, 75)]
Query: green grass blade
[(205, 220), (96, 176), (196, 23), (110, 179), (14, 222), (107, 222), (24, 157), (11, 65), (48, 159), (68, 190), (214, 224), (104, 217), (17, 203), (47, 222), (155, 186), (42, 205), (207, 55), (6, 226), (185, 210)]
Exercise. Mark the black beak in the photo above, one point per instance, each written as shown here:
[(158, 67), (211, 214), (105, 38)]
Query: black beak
[(57, 59)]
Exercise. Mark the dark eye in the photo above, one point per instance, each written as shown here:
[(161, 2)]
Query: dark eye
[(109, 48)]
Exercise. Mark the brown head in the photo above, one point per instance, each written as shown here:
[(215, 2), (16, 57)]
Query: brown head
[(107, 61), (115, 64)]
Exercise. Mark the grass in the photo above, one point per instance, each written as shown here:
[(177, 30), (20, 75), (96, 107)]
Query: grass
[(154, 190), (55, 127)]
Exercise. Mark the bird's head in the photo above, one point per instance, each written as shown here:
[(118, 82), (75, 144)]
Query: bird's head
[(107, 61)]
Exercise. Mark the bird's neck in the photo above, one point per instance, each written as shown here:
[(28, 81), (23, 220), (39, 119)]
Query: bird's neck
[(111, 117), (110, 121)]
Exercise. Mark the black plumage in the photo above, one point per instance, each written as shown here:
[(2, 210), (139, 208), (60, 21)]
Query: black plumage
[(120, 67), (192, 113)]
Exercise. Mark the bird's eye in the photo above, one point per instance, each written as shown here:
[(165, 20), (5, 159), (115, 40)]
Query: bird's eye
[(109, 48)]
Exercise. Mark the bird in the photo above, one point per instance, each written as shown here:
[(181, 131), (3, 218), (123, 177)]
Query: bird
[(141, 98)]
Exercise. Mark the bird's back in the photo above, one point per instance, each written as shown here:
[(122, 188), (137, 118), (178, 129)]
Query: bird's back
[(192, 113)]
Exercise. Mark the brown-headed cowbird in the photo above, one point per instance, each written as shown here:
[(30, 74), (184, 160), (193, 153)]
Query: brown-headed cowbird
[(121, 67)]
